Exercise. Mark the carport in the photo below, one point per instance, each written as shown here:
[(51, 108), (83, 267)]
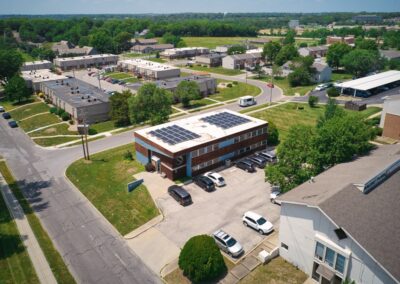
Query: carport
[(362, 86)]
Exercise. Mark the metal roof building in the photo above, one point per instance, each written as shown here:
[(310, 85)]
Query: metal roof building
[(370, 82)]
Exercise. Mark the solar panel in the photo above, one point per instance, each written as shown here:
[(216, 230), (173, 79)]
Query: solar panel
[(225, 120), (173, 134)]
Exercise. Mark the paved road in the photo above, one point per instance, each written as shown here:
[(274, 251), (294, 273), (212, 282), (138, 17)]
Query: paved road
[(90, 246), (92, 249)]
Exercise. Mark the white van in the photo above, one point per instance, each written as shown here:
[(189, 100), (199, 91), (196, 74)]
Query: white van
[(247, 101)]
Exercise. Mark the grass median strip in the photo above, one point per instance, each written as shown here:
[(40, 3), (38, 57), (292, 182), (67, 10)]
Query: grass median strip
[(39, 121), (217, 70), (55, 260), (29, 110), (104, 179), (53, 141), (236, 91), (15, 264), (59, 129)]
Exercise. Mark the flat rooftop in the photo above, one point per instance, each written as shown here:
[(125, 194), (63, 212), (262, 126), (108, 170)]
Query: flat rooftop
[(41, 75), (76, 92), (146, 64), (78, 58), (173, 82), (203, 131), (36, 62), (183, 49), (373, 81)]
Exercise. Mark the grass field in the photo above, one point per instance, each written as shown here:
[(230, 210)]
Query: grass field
[(134, 55), (11, 105), (249, 109), (54, 259), (237, 91), (277, 271), (196, 104), (59, 129), (39, 121), (212, 42), (283, 83), (217, 70), (340, 76), (126, 77), (104, 181), (28, 110), (102, 127), (15, 264), (47, 142), (159, 60), (287, 115)]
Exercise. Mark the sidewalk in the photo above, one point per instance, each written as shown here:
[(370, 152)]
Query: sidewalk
[(36, 255)]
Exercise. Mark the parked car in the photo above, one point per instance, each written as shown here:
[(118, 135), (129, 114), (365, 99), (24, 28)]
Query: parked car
[(2, 109), (322, 87), (227, 243), (259, 161), (6, 115), (270, 156), (13, 124), (257, 222), (247, 101), (205, 183), (275, 192), (246, 165), (180, 194), (216, 178)]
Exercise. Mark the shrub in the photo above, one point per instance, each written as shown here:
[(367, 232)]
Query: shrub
[(65, 116), (60, 112), (71, 122), (333, 92), (273, 134), (53, 110), (128, 155), (229, 85), (92, 131), (201, 260), (235, 83), (312, 101)]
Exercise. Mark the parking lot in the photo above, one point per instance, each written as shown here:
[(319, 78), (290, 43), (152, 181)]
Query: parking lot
[(221, 209)]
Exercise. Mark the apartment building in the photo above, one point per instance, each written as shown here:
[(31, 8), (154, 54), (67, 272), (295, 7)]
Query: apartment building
[(210, 60), (81, 62), (184, 52), (240, 61), (314, 51), (149, 69), (36, 65), (35, 78), (146, 49), (350, 40)]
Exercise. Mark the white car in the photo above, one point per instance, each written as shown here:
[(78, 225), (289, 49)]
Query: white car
[(257, 222), (217, 179), (275, 192), (2, 109), (321, 87), (228, 244)]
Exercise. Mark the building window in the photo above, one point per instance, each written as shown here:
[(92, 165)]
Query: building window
[(319, 251), (340, 262), (285, 246), (329, 257)]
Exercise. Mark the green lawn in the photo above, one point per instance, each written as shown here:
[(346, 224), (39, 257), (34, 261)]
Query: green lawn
[(39, 121), (283, 83), (249, 109), (104, 181), (15, 264), (158, 60), (53, 141), (11, 105), (59, 129), (27, 57), (277, 271), (135, 55), (131, 80), (29, 110), (340, 76), (287, 115), (196, 104), (119, 75), (102, 127), (237, 91), (53, 257), (212, 42), (217, 70)]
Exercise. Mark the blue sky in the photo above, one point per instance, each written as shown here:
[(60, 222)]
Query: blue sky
[(178, 6)]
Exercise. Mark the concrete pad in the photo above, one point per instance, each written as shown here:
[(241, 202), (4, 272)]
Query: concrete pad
[(240, 271), (229, 279), (144, 227), (251, 262), (156, 185), (154, 249)]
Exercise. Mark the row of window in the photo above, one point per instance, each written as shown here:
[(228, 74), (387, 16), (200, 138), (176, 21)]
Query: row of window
[(237, 139), (330, 257), (238, 152)]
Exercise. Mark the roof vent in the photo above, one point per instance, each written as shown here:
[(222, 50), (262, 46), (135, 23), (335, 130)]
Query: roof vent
[(340, 233), (379, 178)]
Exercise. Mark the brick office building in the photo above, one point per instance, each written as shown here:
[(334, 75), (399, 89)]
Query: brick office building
[(197, 144)]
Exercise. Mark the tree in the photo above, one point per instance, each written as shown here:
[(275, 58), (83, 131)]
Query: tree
[(271, 50), (332, 109), (187, 91), (259, 71), (150, 104), (236, 49), (276, 71), (335, 54), (294, 154), (287, 52), (273, 134), (303, 44), (289, 37), (16, 89), (10, 63), (332, 92), (119, 109), (171, 39), (102, 42), (367, 44), (360, 62), (201, 259), (43, 53), (299, 77), (312, 101), (123, 41), (339, 139)]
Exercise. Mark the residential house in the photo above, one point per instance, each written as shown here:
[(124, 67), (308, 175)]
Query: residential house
[(323, 73), (344, 223), (314, 51), (65, 48), (347, 39), (240, 61), (390, 54)]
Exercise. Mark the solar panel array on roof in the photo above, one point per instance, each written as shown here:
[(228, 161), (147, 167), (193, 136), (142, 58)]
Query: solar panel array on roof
[(174, 134), (225, 120)]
